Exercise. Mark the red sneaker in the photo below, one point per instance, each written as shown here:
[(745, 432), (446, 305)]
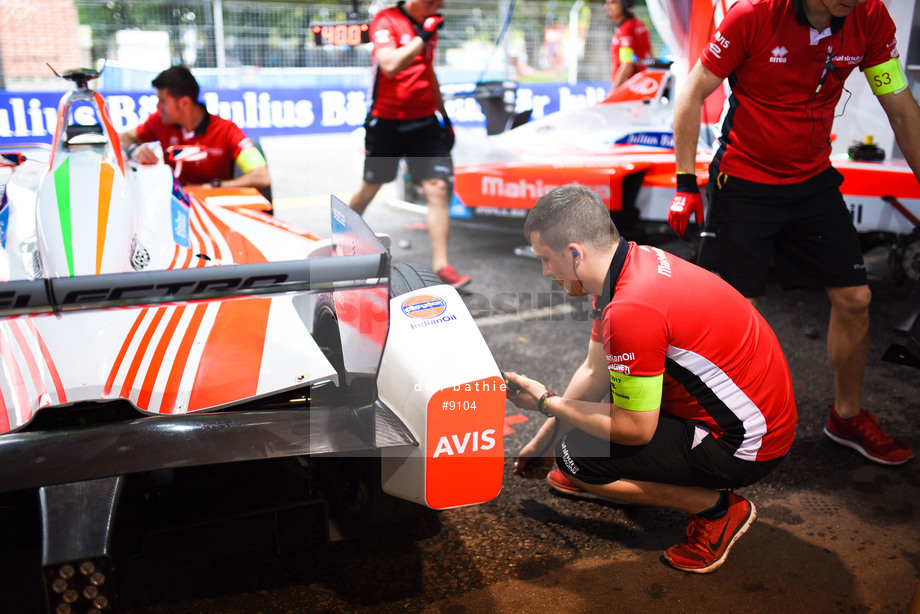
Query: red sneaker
[(708, 541), (864, 434), (451, 277), (559, 482)]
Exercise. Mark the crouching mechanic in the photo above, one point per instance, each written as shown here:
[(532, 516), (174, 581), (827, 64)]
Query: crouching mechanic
[(685, 393), (181, 120)]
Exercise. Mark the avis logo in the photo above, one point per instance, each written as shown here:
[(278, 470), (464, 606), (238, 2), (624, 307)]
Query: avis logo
[(476, 441), (779, 55)]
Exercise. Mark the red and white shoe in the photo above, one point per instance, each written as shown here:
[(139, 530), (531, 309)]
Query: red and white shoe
[(864, 434), (708, 541), (451, 277)]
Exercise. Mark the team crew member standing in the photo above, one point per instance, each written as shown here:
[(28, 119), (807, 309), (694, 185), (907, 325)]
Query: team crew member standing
[(402, 121), (630, 41), (684, 393), (773, 193), (181, 120)]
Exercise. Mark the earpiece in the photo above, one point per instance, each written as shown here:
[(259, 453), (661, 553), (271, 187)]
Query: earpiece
[(574, 255)]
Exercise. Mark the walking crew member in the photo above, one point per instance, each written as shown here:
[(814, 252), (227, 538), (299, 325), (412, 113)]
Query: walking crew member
[(402, 121)]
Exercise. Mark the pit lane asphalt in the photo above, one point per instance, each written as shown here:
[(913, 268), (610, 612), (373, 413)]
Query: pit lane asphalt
[(835, 532)]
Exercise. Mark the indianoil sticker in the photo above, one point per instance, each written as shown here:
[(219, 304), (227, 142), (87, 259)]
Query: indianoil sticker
[(424, 306)]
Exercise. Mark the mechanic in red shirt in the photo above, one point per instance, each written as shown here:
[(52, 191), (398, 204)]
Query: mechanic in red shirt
[(181, 120), (402, 123), (773, 193), (684, 393), (630, 41)]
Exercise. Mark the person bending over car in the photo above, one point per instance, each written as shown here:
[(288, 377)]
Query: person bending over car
[(774, 197), (180, 119), (629, 44), (401, 122), (684, 395)]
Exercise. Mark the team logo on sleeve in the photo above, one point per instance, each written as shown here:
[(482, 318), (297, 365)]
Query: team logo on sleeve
[(718, 43), (616, 363)]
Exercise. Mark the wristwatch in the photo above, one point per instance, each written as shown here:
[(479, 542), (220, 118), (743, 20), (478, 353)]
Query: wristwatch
[(215, 183)]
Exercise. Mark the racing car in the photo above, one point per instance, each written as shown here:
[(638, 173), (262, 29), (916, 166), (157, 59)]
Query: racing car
[(622, 148), (149, 329)]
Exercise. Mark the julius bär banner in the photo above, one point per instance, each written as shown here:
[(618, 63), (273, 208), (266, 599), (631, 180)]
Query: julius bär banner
[(30, 117)]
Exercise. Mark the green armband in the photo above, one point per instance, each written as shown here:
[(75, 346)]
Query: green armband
[(636, 393), (626, 55), (886, 77), (249, 159)]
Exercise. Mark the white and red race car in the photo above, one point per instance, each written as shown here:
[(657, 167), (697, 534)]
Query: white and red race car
[(622, 148), (148, 328)]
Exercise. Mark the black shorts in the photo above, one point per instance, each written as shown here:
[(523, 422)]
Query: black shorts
[(419, 141), (669, 458), (804, 229)]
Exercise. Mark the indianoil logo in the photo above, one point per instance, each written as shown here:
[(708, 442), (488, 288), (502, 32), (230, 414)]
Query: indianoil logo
[(424, 306)]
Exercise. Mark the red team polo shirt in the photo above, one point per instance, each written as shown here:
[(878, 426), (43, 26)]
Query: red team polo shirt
[(632, 34), (223, 139), (776, 128), (410, 94), (725, 368)]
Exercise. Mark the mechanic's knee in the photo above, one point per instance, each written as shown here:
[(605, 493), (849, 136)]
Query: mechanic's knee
[(851, 299)]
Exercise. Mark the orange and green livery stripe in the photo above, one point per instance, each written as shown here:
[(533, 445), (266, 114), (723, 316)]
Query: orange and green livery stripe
[(106, 174), (62, 191)]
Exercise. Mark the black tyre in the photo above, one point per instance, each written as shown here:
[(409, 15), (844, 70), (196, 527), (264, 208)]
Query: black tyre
[(353, 482), (405, 277)]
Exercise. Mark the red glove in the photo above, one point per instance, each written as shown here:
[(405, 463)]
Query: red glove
[(687, 200), (428, 29)]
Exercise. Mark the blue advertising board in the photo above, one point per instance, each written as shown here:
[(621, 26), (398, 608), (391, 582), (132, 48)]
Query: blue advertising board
[(30, 117)]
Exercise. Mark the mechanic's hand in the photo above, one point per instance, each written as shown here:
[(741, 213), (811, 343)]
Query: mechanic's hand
[(528, 465), (144, 154), (687, 201), (428, 29), (447, 134), (528, 391)]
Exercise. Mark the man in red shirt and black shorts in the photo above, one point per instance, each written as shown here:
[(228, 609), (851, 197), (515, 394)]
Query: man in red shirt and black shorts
[(181, 120), (629, 44), (774, 196), (402, 121), (684, 394)]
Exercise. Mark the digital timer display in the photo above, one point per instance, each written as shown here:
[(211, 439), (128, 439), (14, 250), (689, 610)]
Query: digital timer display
[(348, 33)]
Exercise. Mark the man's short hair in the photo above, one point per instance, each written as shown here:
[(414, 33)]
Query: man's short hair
[(178, 82), (571, 214)]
